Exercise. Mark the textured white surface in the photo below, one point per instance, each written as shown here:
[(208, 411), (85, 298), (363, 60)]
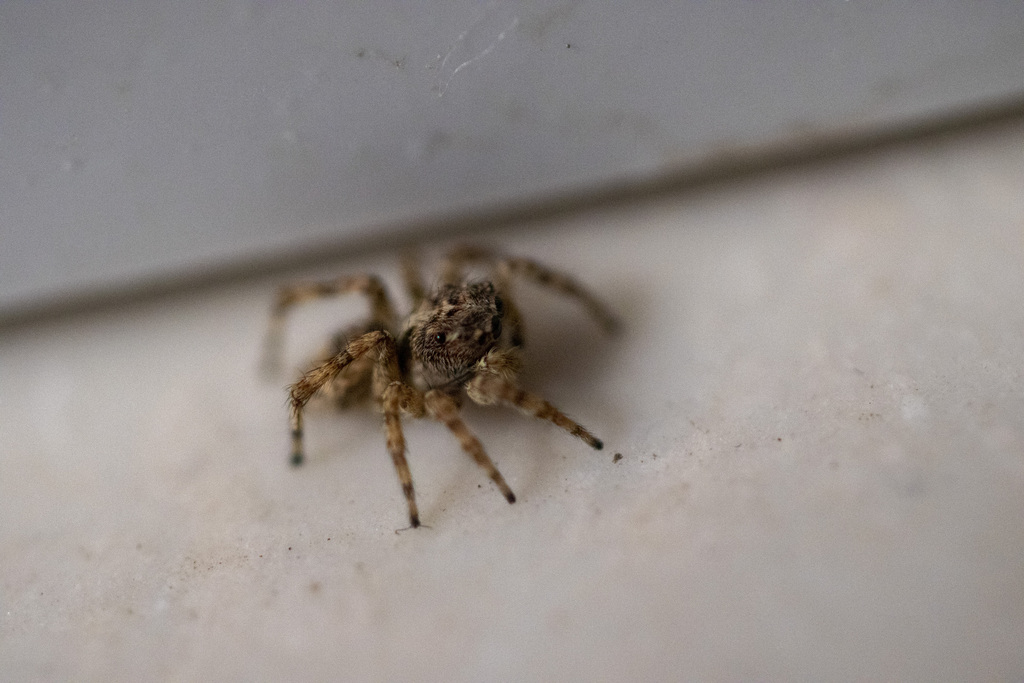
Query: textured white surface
[(147, 141), (818, 400)]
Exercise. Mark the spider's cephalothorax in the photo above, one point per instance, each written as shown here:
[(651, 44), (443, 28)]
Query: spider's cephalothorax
[(450, 334), (464, 337)]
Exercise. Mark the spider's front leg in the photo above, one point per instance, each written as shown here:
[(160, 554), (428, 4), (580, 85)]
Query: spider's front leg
[(494, 385), (397, 397), (400, 397), (316, 379), (444, 409)]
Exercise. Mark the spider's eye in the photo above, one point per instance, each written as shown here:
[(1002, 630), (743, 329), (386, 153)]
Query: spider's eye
[(495, 327), (499, 305), (440, 337)]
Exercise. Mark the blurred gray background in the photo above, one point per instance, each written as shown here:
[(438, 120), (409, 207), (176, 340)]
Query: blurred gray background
[(151, 143)]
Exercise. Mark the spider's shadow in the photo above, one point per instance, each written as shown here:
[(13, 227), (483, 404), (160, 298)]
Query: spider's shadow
[(563, 348)]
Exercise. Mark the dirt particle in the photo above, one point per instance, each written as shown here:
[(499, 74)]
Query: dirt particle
[(617, 457)]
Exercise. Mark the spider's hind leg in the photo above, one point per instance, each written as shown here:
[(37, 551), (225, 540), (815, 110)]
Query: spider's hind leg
[(563, 284), (382, 315), (412, 278), (504, 268)]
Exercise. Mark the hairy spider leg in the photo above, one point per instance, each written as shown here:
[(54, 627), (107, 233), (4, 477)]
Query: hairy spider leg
[(443, 408), (413, 279), (354, 384), (314, 380), (381, 311), (398, 396), (489, 387)]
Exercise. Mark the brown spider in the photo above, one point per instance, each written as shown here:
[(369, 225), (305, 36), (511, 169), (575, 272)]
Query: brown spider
[(465, 336)]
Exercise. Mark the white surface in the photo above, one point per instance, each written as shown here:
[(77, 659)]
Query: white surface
[(818, 400), (144, 141)]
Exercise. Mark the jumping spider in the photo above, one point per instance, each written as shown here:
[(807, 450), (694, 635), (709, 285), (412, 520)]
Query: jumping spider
[(464, 336)]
